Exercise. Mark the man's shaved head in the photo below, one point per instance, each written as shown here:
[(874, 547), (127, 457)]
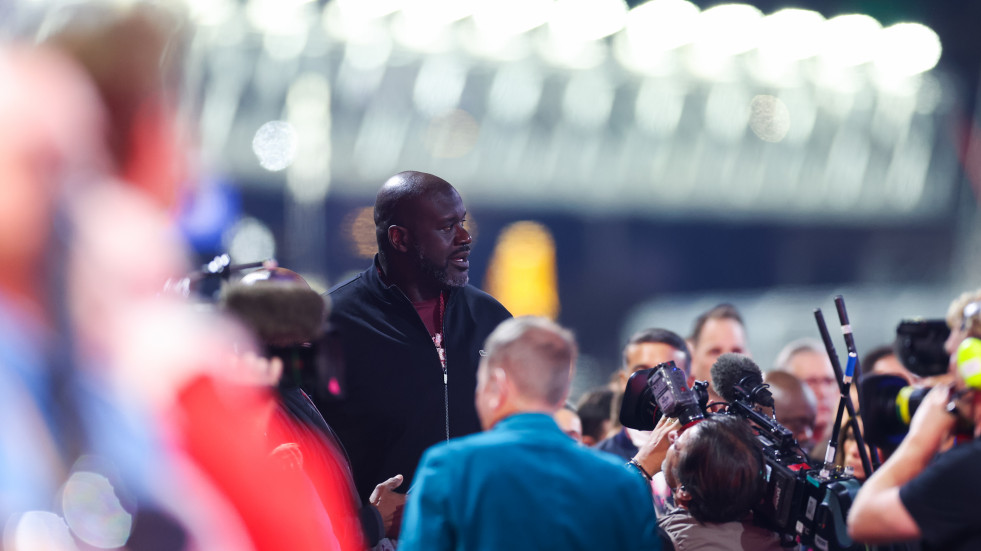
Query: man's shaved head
[(396, 197)]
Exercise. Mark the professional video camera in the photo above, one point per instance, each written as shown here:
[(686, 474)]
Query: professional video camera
[(801, 503), (920, 346)]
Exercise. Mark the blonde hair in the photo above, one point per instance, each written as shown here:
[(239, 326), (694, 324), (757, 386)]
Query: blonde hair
[(955, 313)]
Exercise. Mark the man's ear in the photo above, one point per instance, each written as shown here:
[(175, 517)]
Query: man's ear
[(398, 238), (682, 497), (497, 383)]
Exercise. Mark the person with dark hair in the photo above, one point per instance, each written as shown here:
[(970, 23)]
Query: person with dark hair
[(718, 331), (522, 483), (567, 418), (411, 328), (594, 411), (715, 472), (645, 349), (883, 359)]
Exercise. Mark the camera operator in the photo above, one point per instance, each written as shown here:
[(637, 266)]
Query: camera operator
[(714, 469), (915, 495)]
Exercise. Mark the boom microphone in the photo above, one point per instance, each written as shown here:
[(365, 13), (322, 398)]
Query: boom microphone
[(736, 377)]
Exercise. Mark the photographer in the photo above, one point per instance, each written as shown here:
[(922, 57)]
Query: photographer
[(915, 495), (714, 469)]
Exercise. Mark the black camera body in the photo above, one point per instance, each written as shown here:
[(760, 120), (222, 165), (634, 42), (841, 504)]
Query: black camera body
[(920, 346), (800, 502)]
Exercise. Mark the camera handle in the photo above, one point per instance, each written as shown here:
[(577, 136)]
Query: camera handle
[(843, 403)]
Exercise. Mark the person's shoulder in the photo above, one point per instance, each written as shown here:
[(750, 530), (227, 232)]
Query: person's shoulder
[(477, 298), (346, 286)]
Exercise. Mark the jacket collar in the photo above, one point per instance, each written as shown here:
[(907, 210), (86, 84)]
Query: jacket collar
[(391, 292)]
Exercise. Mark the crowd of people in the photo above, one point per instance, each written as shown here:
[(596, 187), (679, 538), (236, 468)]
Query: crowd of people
[(405, 408)]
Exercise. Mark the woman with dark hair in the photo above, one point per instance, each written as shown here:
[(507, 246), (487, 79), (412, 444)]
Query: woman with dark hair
[(714, 469)]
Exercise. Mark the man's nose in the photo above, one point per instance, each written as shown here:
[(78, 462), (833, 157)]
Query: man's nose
[(462, 235)]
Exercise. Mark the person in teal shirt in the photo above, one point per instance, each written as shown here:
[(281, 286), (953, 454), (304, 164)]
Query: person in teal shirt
[(523, 483)]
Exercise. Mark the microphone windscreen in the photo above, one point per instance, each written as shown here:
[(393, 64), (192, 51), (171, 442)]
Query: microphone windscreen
[(729, 370), (280, 314)]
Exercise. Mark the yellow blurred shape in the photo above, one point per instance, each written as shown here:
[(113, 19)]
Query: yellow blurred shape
[(522, 273), (359, 227)]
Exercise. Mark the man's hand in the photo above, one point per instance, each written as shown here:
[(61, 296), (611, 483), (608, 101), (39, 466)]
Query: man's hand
[(878, 514), (651, 454), (932, 423), (389, 504)]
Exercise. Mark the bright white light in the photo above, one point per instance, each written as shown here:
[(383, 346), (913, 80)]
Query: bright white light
[(727, 110), (437, 12), (586, 20), (279, 16), (275, 145), (571, 52), (907, 49), (769, 118), (588, 100), (93, 511), (211, 12), (791, 34), (308, 108), (452, 135), (38, 530), (728, 29), (849, 40), (249, 240), (421, 34), (660, 103), (514, 93), (661, 25), (510, 17), (368, 9), (439, 85)]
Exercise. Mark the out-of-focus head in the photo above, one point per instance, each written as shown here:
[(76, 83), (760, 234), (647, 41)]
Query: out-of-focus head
[(594, 408), (650, 347), (134, 53), (568, 420), (964, 320), (795, 406), (52, 138), (715, 469), (718, 331), (807, 360), (419, 225), (278, 305), (883, 360), (527, 366)]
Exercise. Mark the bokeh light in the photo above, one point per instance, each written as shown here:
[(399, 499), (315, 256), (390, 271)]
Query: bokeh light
[(451, 135), (249, 240), (769, 118), (93, 511), (275, 145)]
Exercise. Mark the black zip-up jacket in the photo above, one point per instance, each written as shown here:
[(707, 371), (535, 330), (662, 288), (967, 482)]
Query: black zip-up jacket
[(393, 405)]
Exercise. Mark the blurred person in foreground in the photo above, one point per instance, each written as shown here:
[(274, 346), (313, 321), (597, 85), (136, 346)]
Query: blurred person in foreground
[(645, 349), (411, 328), (717, 331), (807, 360), (289, 319), (159, 398), (595, 411), (523, 484), (924, 492), (714, 470)]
